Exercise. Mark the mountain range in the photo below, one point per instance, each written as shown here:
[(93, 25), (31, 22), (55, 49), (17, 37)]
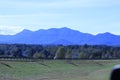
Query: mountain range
[(55, 36)]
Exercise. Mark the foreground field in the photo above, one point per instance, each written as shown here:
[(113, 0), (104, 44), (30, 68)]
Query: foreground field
[(57, 70)]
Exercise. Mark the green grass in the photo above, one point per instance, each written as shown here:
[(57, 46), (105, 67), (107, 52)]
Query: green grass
[(57, 70)]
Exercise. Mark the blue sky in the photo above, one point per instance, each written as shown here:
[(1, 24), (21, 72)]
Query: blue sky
[(88, 16)]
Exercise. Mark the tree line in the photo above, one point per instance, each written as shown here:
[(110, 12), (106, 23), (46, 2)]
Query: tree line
[(59, 51)]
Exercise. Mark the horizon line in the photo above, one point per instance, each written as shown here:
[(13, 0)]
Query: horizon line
[(61, 28)]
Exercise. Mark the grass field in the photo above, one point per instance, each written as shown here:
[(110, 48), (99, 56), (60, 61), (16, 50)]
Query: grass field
[(57, 70)]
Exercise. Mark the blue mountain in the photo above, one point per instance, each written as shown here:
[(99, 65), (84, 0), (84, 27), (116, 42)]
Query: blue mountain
[(106, 38), (65, 36)]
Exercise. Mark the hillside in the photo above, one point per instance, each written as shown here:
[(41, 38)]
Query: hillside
[(57, 70)]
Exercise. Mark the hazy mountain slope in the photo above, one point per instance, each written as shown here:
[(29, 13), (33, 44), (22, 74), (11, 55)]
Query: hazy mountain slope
[(64, 36)]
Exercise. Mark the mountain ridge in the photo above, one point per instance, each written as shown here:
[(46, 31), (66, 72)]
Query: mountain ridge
[(65, 36)]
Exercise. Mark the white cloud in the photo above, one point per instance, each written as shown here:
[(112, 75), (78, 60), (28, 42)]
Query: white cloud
[(36, 14), (10, 30), (42, 14), (34, 19), (58, 4)]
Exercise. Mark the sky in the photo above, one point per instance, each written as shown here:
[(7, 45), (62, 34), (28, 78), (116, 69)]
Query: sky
[(88, 16)]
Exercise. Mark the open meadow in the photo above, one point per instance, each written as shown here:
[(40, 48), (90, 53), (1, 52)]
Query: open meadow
[(57, 70)]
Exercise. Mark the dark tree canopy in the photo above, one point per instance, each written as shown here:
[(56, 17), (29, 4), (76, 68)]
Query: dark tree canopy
[(59, 51)]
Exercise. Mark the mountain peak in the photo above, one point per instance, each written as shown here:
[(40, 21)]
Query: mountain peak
[(54, 29), (108, 33), (26, 30), (105, 34), (65, 28)]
